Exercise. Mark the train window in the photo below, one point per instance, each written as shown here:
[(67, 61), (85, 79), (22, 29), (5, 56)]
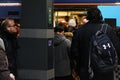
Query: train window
[(64, 16)]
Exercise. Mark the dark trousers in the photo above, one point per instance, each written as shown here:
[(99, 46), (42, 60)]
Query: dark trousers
[(97, 76), (104, 76), (64, 78)]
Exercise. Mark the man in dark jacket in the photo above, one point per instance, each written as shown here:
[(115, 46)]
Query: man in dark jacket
[(81, 42), (8, 31)]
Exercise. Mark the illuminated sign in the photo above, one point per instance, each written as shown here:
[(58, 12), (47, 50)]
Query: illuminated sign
[(10, 12)]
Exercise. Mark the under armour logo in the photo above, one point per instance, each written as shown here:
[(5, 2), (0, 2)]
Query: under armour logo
[(105, 46)]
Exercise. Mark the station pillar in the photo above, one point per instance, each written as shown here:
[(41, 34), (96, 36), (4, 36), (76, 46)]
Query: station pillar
[(35, 56)]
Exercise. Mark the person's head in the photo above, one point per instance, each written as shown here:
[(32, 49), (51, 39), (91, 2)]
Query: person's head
[(63, 23), (72, 23), (67, 18), (83, 20), (94, 15), (59, 29), (8, 26)]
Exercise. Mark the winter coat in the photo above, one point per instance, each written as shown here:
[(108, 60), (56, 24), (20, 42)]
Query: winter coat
[(4, 71), (11, 46), (80, 48), (62, 61)]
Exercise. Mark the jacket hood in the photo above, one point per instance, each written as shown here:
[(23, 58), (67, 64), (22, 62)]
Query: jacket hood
[(58, 38)]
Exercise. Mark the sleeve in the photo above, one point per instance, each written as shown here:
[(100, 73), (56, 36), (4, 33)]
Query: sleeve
[(2, 44), (68, 45), (75, 45), (4, 72), (74, 53)]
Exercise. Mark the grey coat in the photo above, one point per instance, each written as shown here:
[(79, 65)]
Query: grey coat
[(62, 61), (4, 72)]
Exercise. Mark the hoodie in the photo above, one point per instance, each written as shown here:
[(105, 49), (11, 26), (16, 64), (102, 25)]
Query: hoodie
[(62, 61)]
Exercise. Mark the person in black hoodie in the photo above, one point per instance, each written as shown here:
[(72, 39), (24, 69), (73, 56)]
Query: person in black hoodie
[(81, 41), (62, 51), (8, 31)]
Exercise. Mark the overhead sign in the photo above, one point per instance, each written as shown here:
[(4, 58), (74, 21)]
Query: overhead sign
[(9, 1), (10, 12), (86, 1)]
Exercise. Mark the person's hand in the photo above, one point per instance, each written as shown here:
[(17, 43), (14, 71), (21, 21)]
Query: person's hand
[(77, 78), (12, 76), (75, 75)]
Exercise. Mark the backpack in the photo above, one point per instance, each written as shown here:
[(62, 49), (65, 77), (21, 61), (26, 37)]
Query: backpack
[(102, 54)]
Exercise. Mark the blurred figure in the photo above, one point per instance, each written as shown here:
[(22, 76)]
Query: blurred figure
[(76, 20), (68, 34), (84, 20), (81, 42), (4, 71), (66, 18), (71, 25), (64, 24), (62, 51), (8, 32)]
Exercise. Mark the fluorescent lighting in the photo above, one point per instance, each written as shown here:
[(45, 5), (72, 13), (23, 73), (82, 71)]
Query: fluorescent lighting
[(10, 4), (118, 3)]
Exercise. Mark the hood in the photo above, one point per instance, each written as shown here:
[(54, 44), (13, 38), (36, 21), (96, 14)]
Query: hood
[(58, 38)]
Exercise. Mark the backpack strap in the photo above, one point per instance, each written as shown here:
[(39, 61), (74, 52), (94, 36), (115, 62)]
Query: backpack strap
[(90, 70), (104, 28)]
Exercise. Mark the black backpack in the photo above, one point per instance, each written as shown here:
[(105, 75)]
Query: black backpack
[(102, 54)]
